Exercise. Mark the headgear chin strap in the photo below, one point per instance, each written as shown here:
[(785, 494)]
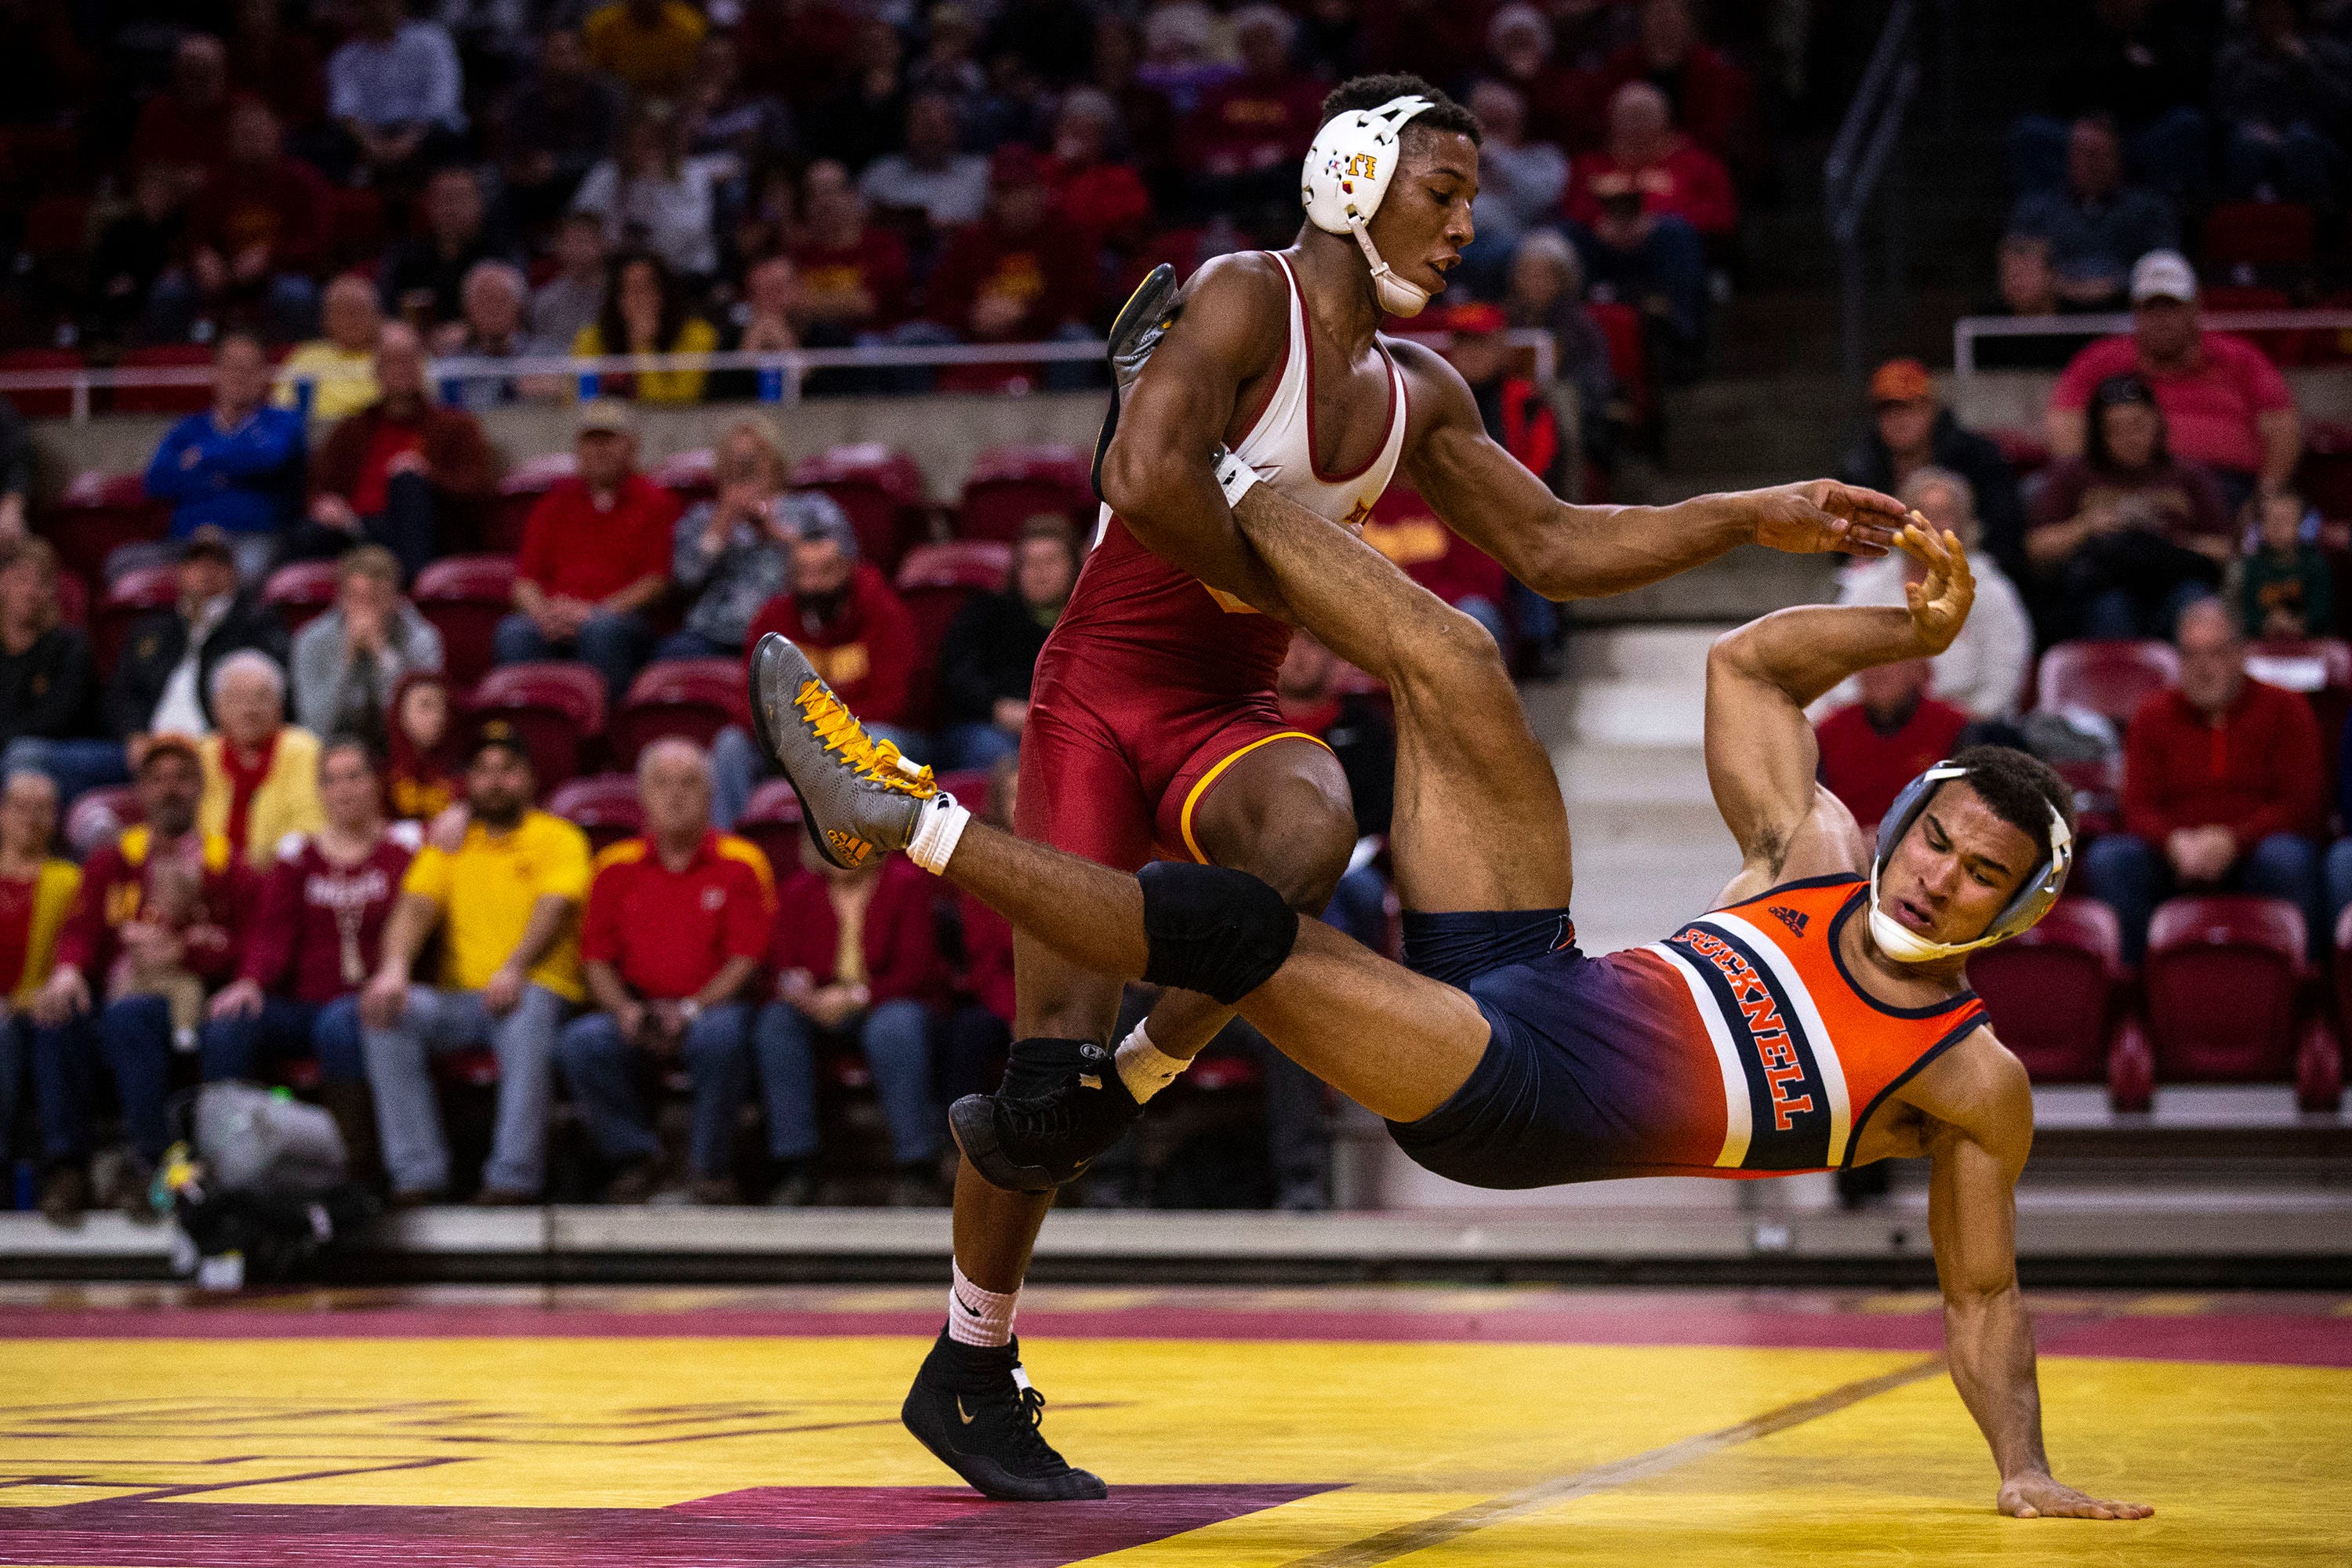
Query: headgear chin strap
[(2035, 895), (1348, 172)]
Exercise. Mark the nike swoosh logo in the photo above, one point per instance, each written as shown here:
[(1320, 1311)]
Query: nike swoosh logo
[(962, 1411), (969, 1310)]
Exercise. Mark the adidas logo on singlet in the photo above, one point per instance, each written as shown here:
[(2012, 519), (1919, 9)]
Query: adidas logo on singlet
[(1793, 919)]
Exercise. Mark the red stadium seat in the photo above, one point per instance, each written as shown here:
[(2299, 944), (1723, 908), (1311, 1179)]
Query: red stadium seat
[(99, 816), (690, 475), (2224, 982), (73, 599), (2259, 234), (937, 581), (558, 707), (2319, 667), (879, 488), (605, 807), (465, 597), (1628, 360), (695, 697), (192, 397), (771, 819), (131, 596), (2053, 991), (2109, 675), (301, 591), (1009, 485), (517, 493), (2325, 476), (97, 514), (44, 404)]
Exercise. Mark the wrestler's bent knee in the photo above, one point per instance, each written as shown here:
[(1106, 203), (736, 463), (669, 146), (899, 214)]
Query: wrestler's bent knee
[(1218, 931)]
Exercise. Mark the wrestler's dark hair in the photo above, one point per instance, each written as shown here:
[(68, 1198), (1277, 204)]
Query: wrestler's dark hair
[(2020, 788), (1371, 91)]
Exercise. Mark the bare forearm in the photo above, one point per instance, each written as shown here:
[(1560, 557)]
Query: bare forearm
[(636, 596), (404, 931), (1988, 1339), (1802, 652), (2282, 435), (1176, 512), (728, 984), (604, 987), (1591, 552)]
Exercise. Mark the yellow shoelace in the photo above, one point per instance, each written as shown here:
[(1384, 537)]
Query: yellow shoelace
[(838, 730)]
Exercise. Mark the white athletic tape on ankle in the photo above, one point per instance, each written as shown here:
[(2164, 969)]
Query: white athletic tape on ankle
[(1235, 477), (978, 1317), (1143, 1067), (938, 829)]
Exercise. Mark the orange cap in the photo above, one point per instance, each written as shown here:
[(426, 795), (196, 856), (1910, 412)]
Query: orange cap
[(1901, 381)]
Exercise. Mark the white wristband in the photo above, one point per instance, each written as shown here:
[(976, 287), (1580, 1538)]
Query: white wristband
[(1235, 477)]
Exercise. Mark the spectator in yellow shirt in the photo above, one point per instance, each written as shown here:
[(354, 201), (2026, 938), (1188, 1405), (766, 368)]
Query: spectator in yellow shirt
[(339, 367), (648, 44), (36, 890), (508, 901), (644, 313)]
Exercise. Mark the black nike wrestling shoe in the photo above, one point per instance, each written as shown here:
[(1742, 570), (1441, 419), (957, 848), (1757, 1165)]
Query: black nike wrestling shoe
[(1062, 1104), (972, 1407), (1142, 322)]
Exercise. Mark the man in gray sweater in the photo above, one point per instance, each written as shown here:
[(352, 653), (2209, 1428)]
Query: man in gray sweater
[(347, 661)]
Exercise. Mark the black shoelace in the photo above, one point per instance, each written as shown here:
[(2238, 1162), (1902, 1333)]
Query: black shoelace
[(1024, 1427)]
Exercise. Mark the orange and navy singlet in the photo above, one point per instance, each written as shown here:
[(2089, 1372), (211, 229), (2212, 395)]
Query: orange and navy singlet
[(1738, 1047), (1152, 684)]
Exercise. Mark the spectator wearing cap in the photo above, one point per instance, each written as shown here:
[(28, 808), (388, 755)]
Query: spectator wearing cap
[(2282, 92), (649, 192), (1890, 734), (646, 313), (118, 919), (237, 466), (491, 329), (929, 176), (404, 472), (678, 922), (1910, 429), (991, 648), (2096, 226), (1982, 673), (1241, 144), (257, 233), (164, 677), (1520, 182), (647, 45), (507, 902), (856, 959), (856, 632), (2221, 788), (731, 554), (2126, 535), (1643, 206), (37, 892), (261, 774), (852, 272), (317, 934), (334, 374), (347, 661), (2224, 404), (397, 91), (595, 557), (48, 682), (552, 127), (1016, 276)]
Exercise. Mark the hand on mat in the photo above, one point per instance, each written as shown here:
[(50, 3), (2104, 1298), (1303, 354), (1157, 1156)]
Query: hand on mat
[(1821, 516), (1939, 604), (2046, 1497)]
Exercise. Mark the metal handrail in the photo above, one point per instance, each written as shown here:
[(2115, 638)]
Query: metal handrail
[(1856, 168), (1969, 328), (780, 371)]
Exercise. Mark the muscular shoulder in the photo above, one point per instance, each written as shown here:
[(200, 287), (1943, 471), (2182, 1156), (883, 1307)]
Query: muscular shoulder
[(1978, 1089), (1239, 306), (1436, 395)]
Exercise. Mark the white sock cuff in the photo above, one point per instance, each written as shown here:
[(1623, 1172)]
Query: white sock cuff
[(978, 1317), (938, 829), (1143, 1067)]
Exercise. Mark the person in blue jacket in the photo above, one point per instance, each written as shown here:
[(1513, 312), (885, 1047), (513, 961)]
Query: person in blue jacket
[(239, 466)]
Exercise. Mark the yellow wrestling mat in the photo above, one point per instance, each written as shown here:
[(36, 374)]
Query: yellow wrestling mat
[(1420, 1425)]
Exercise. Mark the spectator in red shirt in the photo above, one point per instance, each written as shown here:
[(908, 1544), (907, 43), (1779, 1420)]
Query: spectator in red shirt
[(133, 1037), (1105, 197), (2225, 405), (1713, 99), (257, 238), (1642, 208), (1242, 144), (856, 960), (2221, 788), (595, 557), (317, 934), (676, 924), (404, 472), (852, 272), (185, 126), (1872, 748), (841, 612), (1016, 276), (427, 770)]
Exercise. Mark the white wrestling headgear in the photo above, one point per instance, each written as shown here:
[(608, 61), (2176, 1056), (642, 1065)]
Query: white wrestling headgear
[(2034, 895), (1348, 172)]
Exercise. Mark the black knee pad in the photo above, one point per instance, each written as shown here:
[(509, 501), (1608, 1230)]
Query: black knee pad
[(1218, 931)]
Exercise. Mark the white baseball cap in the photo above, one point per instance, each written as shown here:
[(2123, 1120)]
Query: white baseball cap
[(2163, 275)]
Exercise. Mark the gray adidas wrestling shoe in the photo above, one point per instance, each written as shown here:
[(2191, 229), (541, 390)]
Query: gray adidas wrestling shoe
[(860, 797), (1142, 322)]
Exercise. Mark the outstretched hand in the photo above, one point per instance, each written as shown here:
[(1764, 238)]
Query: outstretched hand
[(1939, 603), (2045, 1497), (1823, 516)]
